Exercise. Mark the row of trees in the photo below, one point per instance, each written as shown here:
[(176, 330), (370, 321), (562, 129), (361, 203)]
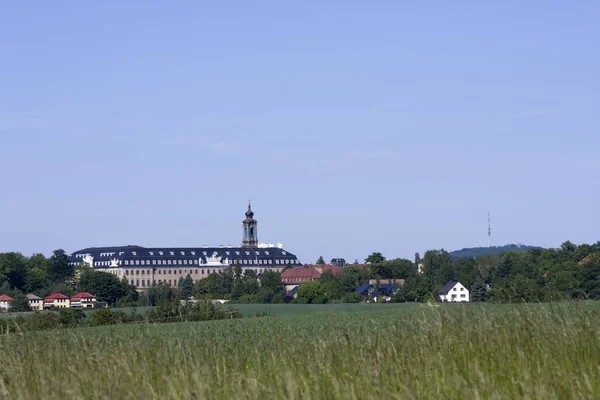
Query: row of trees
[(535, 275), (43, 276)]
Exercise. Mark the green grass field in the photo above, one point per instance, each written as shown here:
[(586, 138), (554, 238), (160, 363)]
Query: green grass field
[(539, 351)]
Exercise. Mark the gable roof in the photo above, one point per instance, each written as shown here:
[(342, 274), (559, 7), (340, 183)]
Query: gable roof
[(448, 287), (388, 288), (32, 296), (4, 297), (82, 295), (363, 288), (55, 296)]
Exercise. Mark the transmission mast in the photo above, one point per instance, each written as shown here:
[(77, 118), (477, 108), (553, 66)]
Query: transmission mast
[(489, 230)]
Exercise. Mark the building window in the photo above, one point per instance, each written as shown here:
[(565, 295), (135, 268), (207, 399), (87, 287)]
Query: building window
[(179, 272), (462, 288), (143, 283), (184, 262), (463, 295), (137, 282), (137, 271), (159, 271), (193, 253), (202, 272), (172, 253), (126, 272), (454, 289), (153, 262), (169, 262)]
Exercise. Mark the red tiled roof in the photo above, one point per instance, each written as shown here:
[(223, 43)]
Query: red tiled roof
[(55, 296), (82, 295), (307, 273), (4, 297)]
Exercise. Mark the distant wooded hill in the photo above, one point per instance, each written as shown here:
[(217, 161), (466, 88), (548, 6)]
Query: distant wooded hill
[(475, 252)]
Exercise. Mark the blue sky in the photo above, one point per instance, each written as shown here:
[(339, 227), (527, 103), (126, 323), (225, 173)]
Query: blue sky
[(353, 126)]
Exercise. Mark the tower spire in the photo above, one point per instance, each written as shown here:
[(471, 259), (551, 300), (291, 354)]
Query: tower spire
[(250, 225)]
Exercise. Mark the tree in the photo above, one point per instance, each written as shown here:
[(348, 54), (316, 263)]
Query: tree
[(161, 292), (37, 273), (105, 286), (271, 280), (250, 273), (186, 286), (478, 291), (375, 258), (60, 270), (320, 261), (14, 268), (5, 288), (20, 302), (311, 293)]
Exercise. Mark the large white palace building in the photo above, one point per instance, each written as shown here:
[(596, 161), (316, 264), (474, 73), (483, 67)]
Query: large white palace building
[(143, 267)]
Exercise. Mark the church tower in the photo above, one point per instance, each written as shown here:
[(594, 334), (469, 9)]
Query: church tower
[(250, 229)]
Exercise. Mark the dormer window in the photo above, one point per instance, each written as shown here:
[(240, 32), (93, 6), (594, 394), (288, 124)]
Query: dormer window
[(247, 253), (134, 253), (160, 253), (227, 253), (257, 253), (172, 253), (237, 253), (283, 252), (193, 253), (183, 253), (151, 253), (205, 253), (266, 252)]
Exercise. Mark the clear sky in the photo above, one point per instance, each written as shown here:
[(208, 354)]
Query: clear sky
[(354, 126)]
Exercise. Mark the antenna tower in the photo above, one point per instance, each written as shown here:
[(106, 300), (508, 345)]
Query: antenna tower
[(489, 230)]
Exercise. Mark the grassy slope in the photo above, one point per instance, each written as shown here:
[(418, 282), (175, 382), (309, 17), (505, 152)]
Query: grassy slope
[(412, 351)]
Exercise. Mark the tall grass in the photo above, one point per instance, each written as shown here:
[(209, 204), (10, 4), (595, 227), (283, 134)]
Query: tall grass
[(542, 351)]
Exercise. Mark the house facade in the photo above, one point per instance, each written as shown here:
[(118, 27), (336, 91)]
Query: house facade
[(5, 302), (57, 300), (454, 292), (83, 300), (36, 303)]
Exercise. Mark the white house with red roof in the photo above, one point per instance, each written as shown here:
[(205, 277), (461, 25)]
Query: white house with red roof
[(5, 301), (57, 300), (83, 300)]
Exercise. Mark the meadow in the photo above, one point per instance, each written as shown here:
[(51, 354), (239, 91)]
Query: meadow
[(409, 351)]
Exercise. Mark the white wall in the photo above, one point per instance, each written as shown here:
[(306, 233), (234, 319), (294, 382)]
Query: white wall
[(457, 294)]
